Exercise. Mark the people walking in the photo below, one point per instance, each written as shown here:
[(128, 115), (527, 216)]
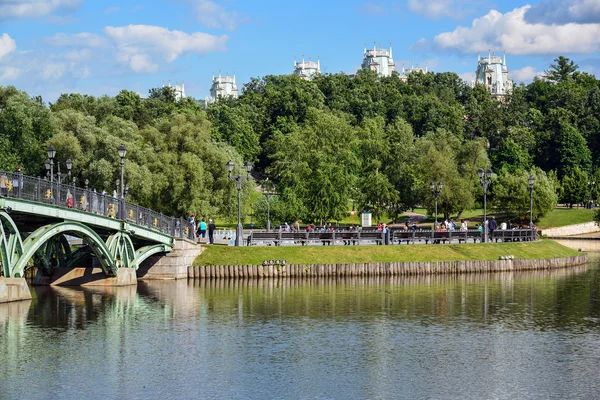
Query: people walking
[(191, 227), (211, 231), (492, 226), (202, 229)]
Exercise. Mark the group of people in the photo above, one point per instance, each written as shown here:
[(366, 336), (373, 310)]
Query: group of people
[(199, 231), (14, 185)]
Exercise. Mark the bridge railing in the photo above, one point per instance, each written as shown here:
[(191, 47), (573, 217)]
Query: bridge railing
[(85, 199)]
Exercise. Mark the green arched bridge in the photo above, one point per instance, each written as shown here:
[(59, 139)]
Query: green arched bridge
[(39, 219)]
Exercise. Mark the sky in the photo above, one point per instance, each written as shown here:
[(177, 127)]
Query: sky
[(97, 47)]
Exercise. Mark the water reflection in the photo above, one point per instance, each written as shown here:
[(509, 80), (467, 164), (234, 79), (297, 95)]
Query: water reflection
[(502, 335)]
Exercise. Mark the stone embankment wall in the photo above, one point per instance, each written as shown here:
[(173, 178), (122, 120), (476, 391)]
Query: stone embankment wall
[(569, 230), (14, 289), (378, 269)]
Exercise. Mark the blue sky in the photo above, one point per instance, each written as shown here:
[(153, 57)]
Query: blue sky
[(49, 47)]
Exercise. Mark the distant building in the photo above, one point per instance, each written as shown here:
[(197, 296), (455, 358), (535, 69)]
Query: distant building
[(179, 90), (408, 71), (222, 86), (493, 73), (307, 69), (378, 60)]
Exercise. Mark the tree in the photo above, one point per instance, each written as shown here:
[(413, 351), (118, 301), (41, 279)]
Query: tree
[(510, 193), (575, 187), (561, 71)]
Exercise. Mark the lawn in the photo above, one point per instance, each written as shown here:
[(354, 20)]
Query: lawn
[(566, 216), (223, 255)]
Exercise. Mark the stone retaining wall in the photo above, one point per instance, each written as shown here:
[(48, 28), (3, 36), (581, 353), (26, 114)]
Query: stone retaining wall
[(379, 269), (569, 230)]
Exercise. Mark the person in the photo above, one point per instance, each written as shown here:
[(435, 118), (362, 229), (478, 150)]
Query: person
[(287, 227), (17, 181), (191, 226), (202, 229), (296, 225), (503, 226), (479, 227), (386, 234), (211, 231), (69, 200), (463, 225), (251, 225), (492, 226), (3, 184)]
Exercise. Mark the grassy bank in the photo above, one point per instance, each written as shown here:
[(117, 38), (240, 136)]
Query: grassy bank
[(222, 255)]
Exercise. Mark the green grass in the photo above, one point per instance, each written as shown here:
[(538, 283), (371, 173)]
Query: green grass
[(566, 216), (222, 255)]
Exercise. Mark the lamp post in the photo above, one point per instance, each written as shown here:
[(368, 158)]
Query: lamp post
[(592, 183), (122, 150), (484, 179), (51, 152), (268, 191), (436, 190), (531, 183), (239, 231)]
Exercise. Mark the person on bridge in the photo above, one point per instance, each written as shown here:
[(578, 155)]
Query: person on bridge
[(17, 181), (69, 200), (202, 229), (3, 184), (492, 226), (192, 227), (211, 231)]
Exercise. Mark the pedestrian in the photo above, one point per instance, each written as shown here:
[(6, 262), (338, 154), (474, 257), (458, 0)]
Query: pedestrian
[(463, 225), (191, 226), (3, 184), (202, 229), (296, 225), (211, 231), (69, 200), (17, 181), (492, 226)]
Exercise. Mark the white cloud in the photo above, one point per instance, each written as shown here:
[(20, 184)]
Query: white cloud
[(137, 45), (437, 9), (53, 71), (9, 75), (35, 8), (511, 32), (83, 39), (467, 76), (112, 10), (564, 11), (7, 45), (524, 74), (214, 15)]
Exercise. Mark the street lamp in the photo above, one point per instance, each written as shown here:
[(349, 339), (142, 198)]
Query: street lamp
[(268, 191), (592, 183), (239, 231), (436, 190), (531, 183), (51, 152), (122, 150), (69, 164), (484, 178)]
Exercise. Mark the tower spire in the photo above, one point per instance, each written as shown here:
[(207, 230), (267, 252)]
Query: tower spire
[(504, 58), (319, 63), (391, 50)]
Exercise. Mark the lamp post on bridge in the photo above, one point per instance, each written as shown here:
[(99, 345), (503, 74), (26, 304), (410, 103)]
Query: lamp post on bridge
[(239, 231), (122, 150), (436, 190), (485, 179)]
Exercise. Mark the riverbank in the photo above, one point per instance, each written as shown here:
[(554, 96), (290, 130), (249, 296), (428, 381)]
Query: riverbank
[(221, 255)]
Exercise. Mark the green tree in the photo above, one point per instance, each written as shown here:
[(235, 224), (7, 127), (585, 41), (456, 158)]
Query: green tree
[(562, 70), (575, 187)]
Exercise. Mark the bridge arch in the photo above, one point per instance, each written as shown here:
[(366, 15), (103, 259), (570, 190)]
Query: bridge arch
[(145, 252), (38, 238), (121, 247), (11, 244)]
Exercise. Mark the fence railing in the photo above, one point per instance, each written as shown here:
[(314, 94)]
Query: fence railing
[(42, 190)]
